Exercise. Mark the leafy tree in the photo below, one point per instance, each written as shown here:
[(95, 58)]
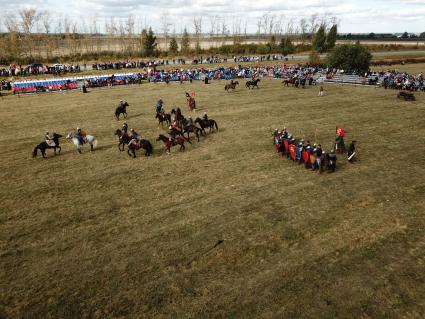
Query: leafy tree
[(286, 46), (422, 35), (350, 57), (148, 42), (405, 35), (174, 47), (314, 58), (331, 37), (319, 39), (185, 42)]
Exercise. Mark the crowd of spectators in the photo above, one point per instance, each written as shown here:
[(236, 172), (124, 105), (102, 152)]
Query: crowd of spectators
[(403, 81), (14, 70)]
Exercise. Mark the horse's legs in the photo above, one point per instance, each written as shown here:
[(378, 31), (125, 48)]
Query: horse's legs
[(91, 148)]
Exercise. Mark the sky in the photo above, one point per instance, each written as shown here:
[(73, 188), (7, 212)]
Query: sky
[(354, 16)]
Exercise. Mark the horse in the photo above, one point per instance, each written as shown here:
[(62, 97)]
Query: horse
[(192, 129), (253, 83), (191, 102), (288, 81), (168, 143), (163, 117), (210, 123), (231, 86), (43, 146), (123, 138), (145, 144), (121, 109), (408, 96), (88, 138)]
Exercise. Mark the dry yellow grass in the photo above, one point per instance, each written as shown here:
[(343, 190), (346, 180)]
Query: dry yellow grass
[(102, 235)]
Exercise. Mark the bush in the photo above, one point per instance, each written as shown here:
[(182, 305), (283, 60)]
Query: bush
[(354, 57), (314, 59)]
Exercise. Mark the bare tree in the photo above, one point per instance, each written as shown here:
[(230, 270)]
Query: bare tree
[(165, 27), (313, 23), (29, 18), (197, 25), (130, 32)]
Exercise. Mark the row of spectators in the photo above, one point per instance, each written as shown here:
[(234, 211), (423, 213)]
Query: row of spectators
[(38, 69)]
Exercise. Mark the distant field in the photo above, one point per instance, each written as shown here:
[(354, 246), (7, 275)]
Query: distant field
[(105, 236)]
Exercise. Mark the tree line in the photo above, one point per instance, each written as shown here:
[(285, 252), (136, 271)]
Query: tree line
[(39, 36)]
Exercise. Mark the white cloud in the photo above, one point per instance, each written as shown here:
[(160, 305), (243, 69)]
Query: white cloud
[(354, 15)]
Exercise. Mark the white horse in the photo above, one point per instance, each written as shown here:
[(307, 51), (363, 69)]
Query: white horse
[(88, 139)]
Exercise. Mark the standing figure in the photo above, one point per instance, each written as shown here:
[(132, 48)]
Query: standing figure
[(351, 151)]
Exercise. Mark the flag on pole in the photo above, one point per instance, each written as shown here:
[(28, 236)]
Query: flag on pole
[(340, 131)]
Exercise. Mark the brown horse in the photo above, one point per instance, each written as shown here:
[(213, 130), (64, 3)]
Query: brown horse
[(190, 102), (231, 86), (253, 83), (163, 117), (170, 142), (408, 96)]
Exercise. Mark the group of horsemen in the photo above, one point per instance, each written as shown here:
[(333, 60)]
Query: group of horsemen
[(178, 122)]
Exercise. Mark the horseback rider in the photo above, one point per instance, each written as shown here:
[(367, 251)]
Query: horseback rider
[(205, 117), (80, 135), (124, 128), (159, 107), (134, 137), (189, 121), (49, 139)]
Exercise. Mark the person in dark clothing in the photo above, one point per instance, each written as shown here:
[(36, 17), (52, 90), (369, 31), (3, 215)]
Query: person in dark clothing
[(351, 151), (125, 127), (331, 161)]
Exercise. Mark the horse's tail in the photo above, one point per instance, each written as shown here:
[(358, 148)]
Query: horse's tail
[(95, 142), (215, 124), (34, 153)]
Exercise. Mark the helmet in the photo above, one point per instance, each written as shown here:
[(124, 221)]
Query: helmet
[(132, 130), (189, 117), (46, 132), (205, 113), (78, 128)]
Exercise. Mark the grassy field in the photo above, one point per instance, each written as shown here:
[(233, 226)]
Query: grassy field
[(105, 236)]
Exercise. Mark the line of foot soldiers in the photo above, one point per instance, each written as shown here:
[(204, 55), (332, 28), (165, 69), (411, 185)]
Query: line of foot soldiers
[(312, 156)]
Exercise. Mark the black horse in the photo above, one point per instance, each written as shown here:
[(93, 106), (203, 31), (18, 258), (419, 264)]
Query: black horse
[(123, 138), (192, 129), (163, 117), (121, 109), (211, 124), (253, 83), (43, 146), (145, 144)]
